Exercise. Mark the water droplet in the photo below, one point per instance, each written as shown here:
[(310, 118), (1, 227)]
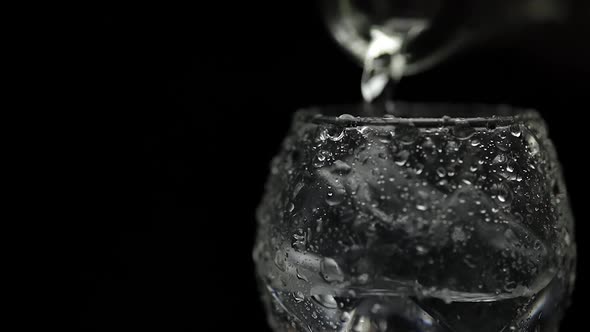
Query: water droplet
[(510, 236), (299, 240), (407, 134), (533, 145), (468, 262), (363, 130), (475, 142), (347, 117), (298, 296), (280, 261), (463, 130), (301, 276), (297, 189), (330, 270), (421, 207), (290, 207), (321, 157), (510, 286), (441, 172), (341, 167), (419, 168), (401, 158), (428, 146), (335, 197), (421, 250), (326, 300), (376, 308), (515, 130), (336, 137), (458, 235), (499, 159), (502, 143), (503, 193), (363, 278)]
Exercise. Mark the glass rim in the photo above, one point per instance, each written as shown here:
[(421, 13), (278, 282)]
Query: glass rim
[(429, 115)]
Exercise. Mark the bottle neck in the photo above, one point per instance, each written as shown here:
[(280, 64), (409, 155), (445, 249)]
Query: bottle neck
[(452, 27)]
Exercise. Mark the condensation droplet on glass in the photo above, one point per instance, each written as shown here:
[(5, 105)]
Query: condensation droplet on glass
[(503, 144), (299, 240), (336, 137), (401, 158), (463, 130), (362, 130), (336, 197), (428, 145), (533, 145), (510, 286), (347, 117), (503, 193), (458, 235), (363, 278), (341, 167), (407, 134), (330, 270), (510, 236), (419, 168), (441, 172), (297, 189), (298, 296), (301, 276), (515, 130), (499, 159), (421, 250), (279, 260), (326, 300)]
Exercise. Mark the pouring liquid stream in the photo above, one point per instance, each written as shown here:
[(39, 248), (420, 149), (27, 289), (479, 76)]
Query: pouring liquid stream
[(386, 60)]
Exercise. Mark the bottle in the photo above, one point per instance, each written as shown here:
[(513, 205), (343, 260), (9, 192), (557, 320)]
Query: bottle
[(429, 31)]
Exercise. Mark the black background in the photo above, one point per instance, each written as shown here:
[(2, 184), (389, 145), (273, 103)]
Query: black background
[(192, 103)]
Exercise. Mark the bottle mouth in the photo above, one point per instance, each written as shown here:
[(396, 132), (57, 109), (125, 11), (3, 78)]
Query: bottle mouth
[(421, 115)]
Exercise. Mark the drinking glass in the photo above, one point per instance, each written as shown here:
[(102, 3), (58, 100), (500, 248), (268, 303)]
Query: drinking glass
[(430, 218)]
